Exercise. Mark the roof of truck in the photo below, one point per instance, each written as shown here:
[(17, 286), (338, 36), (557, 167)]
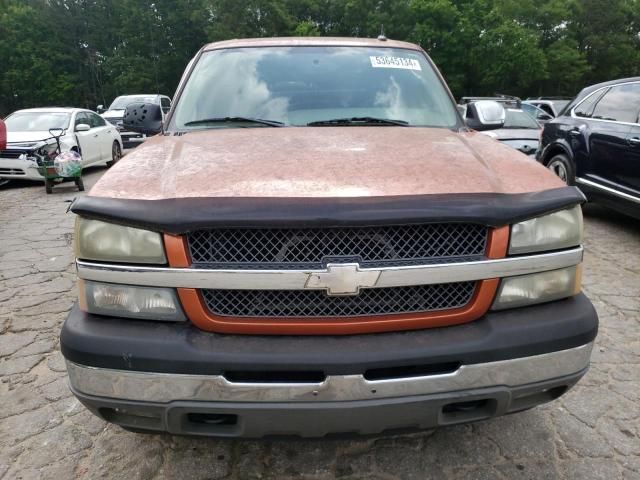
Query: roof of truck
[(310, 42)]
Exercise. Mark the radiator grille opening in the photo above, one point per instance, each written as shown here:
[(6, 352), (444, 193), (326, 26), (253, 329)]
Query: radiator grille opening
[(316, 303), (314, 247)]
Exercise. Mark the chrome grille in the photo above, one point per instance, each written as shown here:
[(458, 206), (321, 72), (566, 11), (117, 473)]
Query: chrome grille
[(11, 171), (316, 303), (314, 247)]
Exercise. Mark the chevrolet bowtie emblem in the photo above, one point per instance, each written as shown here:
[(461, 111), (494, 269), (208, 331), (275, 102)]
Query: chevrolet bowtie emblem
[(342, 279)]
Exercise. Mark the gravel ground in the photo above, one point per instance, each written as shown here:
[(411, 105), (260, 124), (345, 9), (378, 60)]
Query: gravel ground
[(592, 432)]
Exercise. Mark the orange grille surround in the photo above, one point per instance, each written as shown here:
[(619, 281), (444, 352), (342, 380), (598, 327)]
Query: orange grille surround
[(197, 312)]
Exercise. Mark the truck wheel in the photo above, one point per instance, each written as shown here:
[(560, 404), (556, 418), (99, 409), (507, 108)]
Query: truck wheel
[(80, 184), (563, 168), (48, 185), (116, 154)]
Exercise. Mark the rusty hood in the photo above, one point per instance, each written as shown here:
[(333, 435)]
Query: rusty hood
[(321, 162)]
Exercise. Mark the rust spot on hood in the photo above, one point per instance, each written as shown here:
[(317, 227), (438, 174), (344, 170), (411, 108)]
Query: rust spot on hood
[(321, 162)]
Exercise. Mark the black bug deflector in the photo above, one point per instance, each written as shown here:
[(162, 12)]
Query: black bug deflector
[(181, 215)]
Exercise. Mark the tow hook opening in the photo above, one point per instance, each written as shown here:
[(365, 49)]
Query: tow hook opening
[(212, 418), (471, 410)]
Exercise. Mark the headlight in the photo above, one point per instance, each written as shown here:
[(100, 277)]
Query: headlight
[(131, 302), (557, 230), (538, 288), (96, 240)]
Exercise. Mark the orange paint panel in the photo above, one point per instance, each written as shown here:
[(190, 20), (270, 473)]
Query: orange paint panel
[(498, 242), (177, 251)]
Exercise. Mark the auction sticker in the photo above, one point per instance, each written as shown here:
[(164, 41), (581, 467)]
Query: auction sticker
[(395, 62)]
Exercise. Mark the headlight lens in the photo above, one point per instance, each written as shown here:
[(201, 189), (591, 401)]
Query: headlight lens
[(96, 240), (557, 230), (538, 288), (132, 302)]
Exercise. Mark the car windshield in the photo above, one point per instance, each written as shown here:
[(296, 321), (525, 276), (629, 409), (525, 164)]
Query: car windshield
[(300, 85), (36, 121), (121, 103), (519, 119)]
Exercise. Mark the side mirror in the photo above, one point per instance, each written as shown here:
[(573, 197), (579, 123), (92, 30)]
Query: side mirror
[(485, 115), (3, 135), (143, 118), (82, 127), (100, 109)]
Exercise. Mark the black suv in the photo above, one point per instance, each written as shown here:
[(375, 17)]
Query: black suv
[(595, 144)]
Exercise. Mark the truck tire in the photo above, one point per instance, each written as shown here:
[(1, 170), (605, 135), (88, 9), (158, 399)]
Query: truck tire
[(48, 185)]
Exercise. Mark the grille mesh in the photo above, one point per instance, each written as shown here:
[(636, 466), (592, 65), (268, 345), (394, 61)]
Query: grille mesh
[(314, 247), (316, 303)]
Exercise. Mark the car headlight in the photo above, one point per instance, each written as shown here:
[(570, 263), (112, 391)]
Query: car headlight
[(108, 242), (562, 229), (538, 288), (129, 301)]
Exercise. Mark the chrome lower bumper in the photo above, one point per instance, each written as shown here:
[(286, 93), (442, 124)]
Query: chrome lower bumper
[(165, 388)]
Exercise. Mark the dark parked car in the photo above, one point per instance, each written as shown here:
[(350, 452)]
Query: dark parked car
[(3, 143), (595, 144), (3, 135)]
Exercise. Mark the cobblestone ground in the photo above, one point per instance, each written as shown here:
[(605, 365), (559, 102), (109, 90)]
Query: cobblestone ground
[(592, 432)]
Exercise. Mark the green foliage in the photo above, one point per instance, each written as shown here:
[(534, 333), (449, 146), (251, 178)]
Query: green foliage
[(86, 52)]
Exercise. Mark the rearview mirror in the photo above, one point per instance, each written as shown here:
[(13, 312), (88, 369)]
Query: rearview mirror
[(143, 118), (82, 127), (485, 115), (100, 109)]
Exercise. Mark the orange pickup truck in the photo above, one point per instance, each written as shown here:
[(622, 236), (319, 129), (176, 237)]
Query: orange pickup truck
[(314, 243)]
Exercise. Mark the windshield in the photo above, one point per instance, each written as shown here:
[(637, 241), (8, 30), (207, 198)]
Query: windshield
[(121, 103), (300, 85), (36, 121), (519, 119)]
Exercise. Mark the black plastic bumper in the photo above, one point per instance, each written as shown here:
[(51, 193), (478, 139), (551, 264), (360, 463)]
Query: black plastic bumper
[(123, 344)]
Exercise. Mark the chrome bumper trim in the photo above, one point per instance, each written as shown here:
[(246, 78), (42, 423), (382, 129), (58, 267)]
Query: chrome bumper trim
[(299, 279), (163, 387)]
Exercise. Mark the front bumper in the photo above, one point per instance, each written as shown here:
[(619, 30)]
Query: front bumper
[(17, 169), (175, 378), (132, 139)]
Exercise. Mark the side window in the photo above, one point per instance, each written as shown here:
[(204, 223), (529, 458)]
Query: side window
[(546, 108), (585, 109), (96, 120), (81, 118), (165, 104), (620, 104)]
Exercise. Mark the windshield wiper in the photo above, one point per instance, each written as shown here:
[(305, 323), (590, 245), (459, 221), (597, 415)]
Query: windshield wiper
[(270, 123), (358, 121)]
